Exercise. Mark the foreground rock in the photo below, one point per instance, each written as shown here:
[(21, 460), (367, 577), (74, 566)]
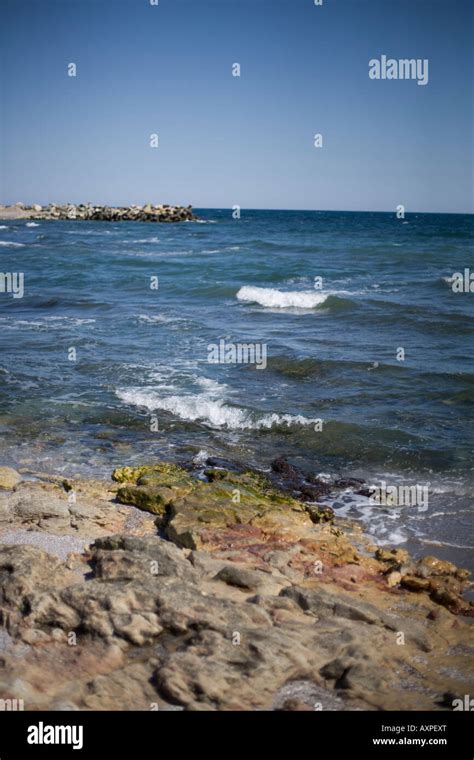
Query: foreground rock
[(218, 594), (87, 211), (9, 477)]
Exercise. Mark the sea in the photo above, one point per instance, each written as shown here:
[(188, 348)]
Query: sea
[(343, 346)]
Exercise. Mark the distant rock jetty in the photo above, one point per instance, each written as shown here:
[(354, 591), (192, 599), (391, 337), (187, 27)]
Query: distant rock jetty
[(88, 211)]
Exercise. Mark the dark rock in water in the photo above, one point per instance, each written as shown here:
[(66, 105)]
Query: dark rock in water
[(320, 514), (226, 464), (314, 492), (283, 467), (291, 479), (365, 492), (348, 482)]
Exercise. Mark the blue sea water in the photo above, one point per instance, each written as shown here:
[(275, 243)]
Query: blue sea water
[(142, 353)]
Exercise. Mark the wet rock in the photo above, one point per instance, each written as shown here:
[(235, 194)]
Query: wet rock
[(320, 513), (291, 479), (348, 483), (283, 467), (226, 464)]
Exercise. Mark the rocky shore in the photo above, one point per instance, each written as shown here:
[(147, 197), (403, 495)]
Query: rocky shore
[(217, 588), (90, 212)]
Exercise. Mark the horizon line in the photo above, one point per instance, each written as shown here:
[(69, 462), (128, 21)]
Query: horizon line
[(252, 208), (334, 210)]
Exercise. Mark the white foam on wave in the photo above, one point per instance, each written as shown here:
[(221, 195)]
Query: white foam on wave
[(3, 227), (201, 457), (210, 385), (32, 224), (201, 407), (45, 323), (12, 245), (270, 297), (71, 320), (87, 232), (190, 407), (157, 319)]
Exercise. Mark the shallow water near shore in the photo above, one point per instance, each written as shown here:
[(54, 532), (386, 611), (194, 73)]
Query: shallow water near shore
[(331, 353)]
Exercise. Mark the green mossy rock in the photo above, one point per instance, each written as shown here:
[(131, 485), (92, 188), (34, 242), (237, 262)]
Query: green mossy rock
[(159, 471), (193, 507), (147, 498)]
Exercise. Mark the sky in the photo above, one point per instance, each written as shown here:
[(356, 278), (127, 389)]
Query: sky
[(166, 69)]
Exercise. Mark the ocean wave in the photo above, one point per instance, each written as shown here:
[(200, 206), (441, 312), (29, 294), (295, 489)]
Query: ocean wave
[(88, 232), (263, 245), (199, 407), (465, 396), (32, 224), (161, 320), (433, 542), (45, 323), (270, 297), (308, 367), (72, 320), (12, 245), (3, 227), (158, 319), (210, 385), (201, 457)]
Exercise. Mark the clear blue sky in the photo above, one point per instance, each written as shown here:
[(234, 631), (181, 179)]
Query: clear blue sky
[(224, 140)]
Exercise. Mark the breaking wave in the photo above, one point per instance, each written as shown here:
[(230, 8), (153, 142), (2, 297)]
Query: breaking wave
[(198, 407), (271, 297)]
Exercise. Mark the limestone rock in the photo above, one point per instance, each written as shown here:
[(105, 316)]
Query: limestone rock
[(240, 577), (271, 611), (9, 477)]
